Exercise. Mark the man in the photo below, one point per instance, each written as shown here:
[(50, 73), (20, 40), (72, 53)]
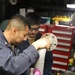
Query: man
[(34, 34), (11, 61)]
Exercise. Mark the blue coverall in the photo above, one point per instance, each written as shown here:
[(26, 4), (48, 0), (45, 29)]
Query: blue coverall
[(13, 63)]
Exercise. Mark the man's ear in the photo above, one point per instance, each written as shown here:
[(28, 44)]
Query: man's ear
[(14, 31)]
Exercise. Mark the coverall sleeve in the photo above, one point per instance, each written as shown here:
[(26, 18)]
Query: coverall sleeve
[(17, 64)]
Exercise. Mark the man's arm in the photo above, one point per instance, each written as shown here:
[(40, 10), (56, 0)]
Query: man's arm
[(17, 64)]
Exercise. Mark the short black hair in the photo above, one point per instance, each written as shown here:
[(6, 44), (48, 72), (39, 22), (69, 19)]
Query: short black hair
[(22, 18), (33, 18)]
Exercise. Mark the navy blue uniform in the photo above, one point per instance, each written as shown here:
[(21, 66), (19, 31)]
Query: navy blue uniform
[(13, 63)]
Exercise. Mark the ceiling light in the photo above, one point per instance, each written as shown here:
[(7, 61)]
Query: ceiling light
[(70, 5)]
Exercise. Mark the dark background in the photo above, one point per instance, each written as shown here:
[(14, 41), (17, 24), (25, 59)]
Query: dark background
[(43, 7)]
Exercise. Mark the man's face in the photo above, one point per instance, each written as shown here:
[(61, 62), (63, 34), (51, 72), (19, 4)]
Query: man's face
[(20, 35), (33, 31)]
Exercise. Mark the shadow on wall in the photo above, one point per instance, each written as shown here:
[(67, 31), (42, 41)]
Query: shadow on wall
[(3, 24)]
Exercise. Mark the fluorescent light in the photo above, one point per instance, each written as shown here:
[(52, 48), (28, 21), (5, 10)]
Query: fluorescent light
[(70, 5)]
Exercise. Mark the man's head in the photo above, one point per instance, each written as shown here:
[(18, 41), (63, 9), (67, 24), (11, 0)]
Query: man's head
[(34, 20), (17, 29)]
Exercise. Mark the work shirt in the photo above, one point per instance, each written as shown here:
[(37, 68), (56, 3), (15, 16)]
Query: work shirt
[(11, 61)]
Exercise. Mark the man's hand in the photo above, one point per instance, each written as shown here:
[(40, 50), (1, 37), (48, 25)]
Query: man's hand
[(42, 43)]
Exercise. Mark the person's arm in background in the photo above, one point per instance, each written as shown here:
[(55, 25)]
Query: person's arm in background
[(48, 63)]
